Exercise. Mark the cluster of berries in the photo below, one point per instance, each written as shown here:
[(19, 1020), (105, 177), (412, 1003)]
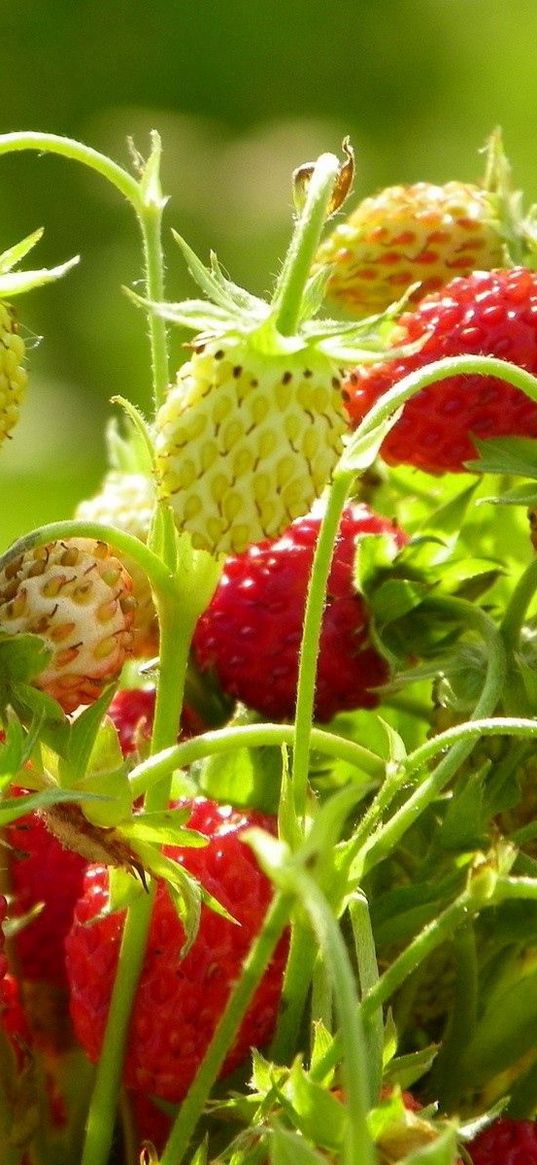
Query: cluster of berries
[(245, 444)]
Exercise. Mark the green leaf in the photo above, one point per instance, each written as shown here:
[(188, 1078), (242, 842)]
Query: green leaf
[(506, 455), (319, 1116), (362, 449), (464, 826), (164, 828), (18, 252), (123, 889), (406, 1070), (506, 1030), (287, 1148), (115, 803), (11, 808), (18, 282), (442, 1151), (91, 744)]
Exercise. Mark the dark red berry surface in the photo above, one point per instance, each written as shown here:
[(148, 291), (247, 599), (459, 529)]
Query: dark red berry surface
[(43, 873), (488, 313), (179, 1000), (250, 634), (505, 1142)]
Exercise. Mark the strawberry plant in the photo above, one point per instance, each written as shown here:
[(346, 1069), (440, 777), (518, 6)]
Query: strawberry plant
[(269, 704)]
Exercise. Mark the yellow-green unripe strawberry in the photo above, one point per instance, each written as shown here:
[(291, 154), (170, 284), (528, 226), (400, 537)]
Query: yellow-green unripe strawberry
[(127, 500), (77, 596), (13, 376), (404, 235), (247, 440)]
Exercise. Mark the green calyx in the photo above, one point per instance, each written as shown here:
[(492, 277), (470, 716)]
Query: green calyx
[(17, 282)]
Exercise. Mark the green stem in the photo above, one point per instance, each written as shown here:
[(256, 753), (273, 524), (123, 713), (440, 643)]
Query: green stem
[(296, 986), (102, 1111), (175, 636), (125, 544), (515, 611), (49, 143), (432, 935), (157, 768), (257, 960), (309, 651), (287, 299), (390, 834), (359, 1145), (431, 374), (146, 200), (368, 975)]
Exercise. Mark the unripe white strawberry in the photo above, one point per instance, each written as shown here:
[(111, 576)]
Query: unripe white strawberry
[(246, 439), (77, 596), (13, 377), (127, 500)]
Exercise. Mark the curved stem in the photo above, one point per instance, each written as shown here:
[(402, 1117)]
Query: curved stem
[(389, 834), (156, 768), (431, 374), (159, 576), (309, 651), (50, 143), (287, 299), (146, 200)]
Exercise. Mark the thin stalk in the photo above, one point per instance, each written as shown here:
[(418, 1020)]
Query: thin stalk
[(296, 987), (175, 636), (390, 834), (148, 205), (287, 299), (359, 1144), (368, 977), (436, 932), (101, 1115), (516, 609), (309, 651), (257, 960), (222, 740), (126, 544), (433, 373), (49, 143)]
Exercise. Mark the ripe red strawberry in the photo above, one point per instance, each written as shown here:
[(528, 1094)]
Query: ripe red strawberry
[(505, 1142), (403, 235), (487, 313), (132, 711), (3, 916), (41, 871), (78, 597), (179, 1000), (251, 632)]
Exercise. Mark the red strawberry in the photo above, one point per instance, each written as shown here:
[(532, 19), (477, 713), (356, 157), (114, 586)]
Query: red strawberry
[(251, 632), (179, 1000), (42, 872), (3, 916), (505, 1142), (152, 1123), (132, 711), (490, 313)]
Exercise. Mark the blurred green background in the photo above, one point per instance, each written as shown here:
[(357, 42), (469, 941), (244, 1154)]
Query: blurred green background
[(241, 91)]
